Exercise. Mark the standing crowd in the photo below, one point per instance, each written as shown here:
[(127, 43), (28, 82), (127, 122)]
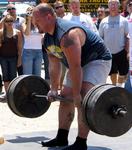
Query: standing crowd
[(78, 54)]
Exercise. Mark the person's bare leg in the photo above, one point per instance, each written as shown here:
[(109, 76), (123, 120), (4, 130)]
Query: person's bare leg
[(114, 78), (121, 80), (83, 129), (66, 110), (66, 115), (6, 84)]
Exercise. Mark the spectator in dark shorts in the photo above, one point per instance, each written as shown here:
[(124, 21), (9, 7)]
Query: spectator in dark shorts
[(10, 50), (88, 63), (114, 30), (128, 84)]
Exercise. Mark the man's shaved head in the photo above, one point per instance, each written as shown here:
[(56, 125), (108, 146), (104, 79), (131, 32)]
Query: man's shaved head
[(44, 8), (44, 17)]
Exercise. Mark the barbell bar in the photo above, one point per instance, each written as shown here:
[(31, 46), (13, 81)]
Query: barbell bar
[(107, 109), (55, 98)]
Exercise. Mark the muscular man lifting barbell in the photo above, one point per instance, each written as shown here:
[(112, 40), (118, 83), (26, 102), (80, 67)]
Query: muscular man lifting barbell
[(108, 113), (88, 62), (106, 108)]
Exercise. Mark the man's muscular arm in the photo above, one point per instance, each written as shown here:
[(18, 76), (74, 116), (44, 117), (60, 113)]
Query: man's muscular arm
[(71, 45)]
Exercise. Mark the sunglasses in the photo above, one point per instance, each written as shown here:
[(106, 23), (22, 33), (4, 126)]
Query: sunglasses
[(130, 4), (11, 9), (9, 21), (59, 7)]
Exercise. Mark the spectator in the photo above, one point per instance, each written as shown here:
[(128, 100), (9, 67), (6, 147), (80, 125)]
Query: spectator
[(59, 9), (129, 9), (124, 12), (128, 84), (114, 30), (10, 50), (100, 16), (18, 21), (32, 52), (77, 16)]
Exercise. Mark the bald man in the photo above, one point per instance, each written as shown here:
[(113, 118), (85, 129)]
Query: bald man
[(88, 63)]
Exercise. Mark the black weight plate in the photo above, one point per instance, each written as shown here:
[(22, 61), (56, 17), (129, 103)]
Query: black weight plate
[(22, 101), (10, 94), (10, 98), (90, 105), (84, 105), (99, 110), (87, 102)]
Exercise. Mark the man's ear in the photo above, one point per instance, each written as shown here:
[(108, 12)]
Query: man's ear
[(49, 16), (36, 13)]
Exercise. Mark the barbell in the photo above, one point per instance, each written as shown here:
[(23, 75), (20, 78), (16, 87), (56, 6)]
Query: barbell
[(107, 109)]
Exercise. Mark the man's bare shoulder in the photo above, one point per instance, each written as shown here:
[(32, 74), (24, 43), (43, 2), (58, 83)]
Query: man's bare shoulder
[(72, 36)]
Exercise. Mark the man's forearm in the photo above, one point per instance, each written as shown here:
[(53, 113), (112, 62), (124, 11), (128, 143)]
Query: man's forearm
[(76, 77), (55, 74)]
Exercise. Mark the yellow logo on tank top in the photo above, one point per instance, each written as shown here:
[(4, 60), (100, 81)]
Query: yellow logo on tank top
[(55, 50)]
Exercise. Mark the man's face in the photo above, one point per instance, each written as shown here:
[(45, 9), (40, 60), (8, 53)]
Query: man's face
[(59, 9), (40, 21), (129, 8), (75, 8), (11, 11), (101, 13), (113, 6)]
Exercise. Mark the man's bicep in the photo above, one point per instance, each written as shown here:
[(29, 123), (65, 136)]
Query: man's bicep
[(70, 40), (71, 47)]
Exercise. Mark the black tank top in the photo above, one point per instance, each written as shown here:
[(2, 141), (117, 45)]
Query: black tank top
[(93, 48), (9, 47)]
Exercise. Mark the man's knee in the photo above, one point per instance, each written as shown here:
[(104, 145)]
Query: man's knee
[(86, 86), (66, 92)]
